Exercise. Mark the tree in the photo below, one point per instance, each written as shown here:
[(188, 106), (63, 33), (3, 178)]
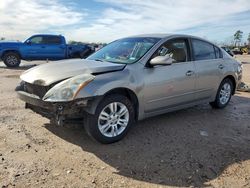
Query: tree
[(2, 38), (248, 38), (76, 42), (237, 37)]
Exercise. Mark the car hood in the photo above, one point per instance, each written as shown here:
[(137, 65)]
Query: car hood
[(52, 72)]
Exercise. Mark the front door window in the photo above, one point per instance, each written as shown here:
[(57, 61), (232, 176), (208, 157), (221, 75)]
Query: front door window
[(177, 49)]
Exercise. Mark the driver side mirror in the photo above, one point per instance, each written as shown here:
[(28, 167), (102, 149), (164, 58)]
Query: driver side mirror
[(162, 60), (28, 42)]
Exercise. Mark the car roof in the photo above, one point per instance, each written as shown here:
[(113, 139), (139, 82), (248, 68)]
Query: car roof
[(154, 35), (46, 35), (166, 36), (162, 35)]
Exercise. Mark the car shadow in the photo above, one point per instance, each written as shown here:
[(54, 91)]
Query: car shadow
[(184, 148), (245, 62)]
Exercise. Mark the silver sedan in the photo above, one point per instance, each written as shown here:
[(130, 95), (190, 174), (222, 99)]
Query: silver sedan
[(131, 79)]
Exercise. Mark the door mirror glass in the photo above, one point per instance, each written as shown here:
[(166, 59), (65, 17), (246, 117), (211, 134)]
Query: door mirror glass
[(28, 42), (162, 60)]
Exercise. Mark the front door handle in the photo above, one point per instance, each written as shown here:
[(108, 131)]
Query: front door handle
[(189, 73), (221, 66)]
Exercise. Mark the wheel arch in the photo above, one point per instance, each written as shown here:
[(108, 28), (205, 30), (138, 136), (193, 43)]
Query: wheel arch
[(233, 81), (12, 51), (127, 93), (121, 91)]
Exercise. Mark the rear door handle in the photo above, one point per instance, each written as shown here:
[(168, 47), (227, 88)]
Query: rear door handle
[(189, 73), (221, 66)]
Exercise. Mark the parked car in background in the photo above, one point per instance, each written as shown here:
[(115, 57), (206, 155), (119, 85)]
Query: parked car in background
[(41, 47), (237, 51), (131, 79), (244, 50), (230, 52)]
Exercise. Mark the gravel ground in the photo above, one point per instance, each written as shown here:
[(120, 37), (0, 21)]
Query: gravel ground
[(196, 147)]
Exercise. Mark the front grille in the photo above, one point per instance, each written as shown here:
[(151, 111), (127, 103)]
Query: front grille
[(38, 90)]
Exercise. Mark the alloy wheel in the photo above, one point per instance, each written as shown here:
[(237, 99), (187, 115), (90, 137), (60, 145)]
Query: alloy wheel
[(225, 93), (12, 60), (113, 119)]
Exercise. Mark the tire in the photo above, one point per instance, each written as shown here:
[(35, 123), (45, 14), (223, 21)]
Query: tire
[(94, 123), (11, 59), (223, 98)]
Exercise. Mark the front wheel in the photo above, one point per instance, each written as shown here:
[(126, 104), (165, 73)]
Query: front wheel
[(224, 94), (11, 59), (112, 120)]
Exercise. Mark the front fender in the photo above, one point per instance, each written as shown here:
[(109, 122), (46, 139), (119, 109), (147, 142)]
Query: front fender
[(104, 83), (4, 49)]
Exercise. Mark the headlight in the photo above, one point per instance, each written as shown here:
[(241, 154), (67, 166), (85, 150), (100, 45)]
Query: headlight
[(68, 89)]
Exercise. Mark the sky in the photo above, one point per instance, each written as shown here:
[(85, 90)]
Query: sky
[(108, 20)]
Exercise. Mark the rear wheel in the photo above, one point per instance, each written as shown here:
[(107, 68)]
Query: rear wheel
[(112, 119), (11, 59), (224, 94)]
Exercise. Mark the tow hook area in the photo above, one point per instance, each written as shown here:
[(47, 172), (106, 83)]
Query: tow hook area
[(60, 120), (59, 117)]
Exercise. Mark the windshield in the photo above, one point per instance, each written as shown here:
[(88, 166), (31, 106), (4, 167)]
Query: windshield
[(125, 51)]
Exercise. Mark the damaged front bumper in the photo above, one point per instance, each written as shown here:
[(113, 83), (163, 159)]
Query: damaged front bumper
[(59, 111)]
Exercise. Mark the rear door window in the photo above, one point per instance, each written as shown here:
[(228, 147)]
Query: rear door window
[(203, 50), (51, 40)]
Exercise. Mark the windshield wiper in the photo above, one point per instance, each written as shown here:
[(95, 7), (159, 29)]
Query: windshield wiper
[(101, 60), (98, 60)]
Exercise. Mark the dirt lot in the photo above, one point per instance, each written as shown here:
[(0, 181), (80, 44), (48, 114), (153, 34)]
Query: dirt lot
[(193, 147)]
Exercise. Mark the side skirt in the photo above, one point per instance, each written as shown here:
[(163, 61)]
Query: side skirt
[(174, 108)]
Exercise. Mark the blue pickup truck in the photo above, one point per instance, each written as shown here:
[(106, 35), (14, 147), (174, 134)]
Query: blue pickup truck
[(41, 47)]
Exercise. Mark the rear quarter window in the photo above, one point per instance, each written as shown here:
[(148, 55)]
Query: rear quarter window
[(218, 52)]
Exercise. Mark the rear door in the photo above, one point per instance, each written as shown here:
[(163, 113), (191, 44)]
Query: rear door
[(208, 64), (54, 47)]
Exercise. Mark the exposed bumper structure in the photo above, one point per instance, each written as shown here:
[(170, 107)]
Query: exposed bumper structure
[(59, 111)]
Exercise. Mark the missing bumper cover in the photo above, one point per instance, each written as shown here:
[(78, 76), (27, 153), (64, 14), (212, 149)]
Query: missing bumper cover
[(52, 110)]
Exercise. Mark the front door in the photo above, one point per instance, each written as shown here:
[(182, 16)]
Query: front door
[(54, 47), (33, 49), (171, 85)]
